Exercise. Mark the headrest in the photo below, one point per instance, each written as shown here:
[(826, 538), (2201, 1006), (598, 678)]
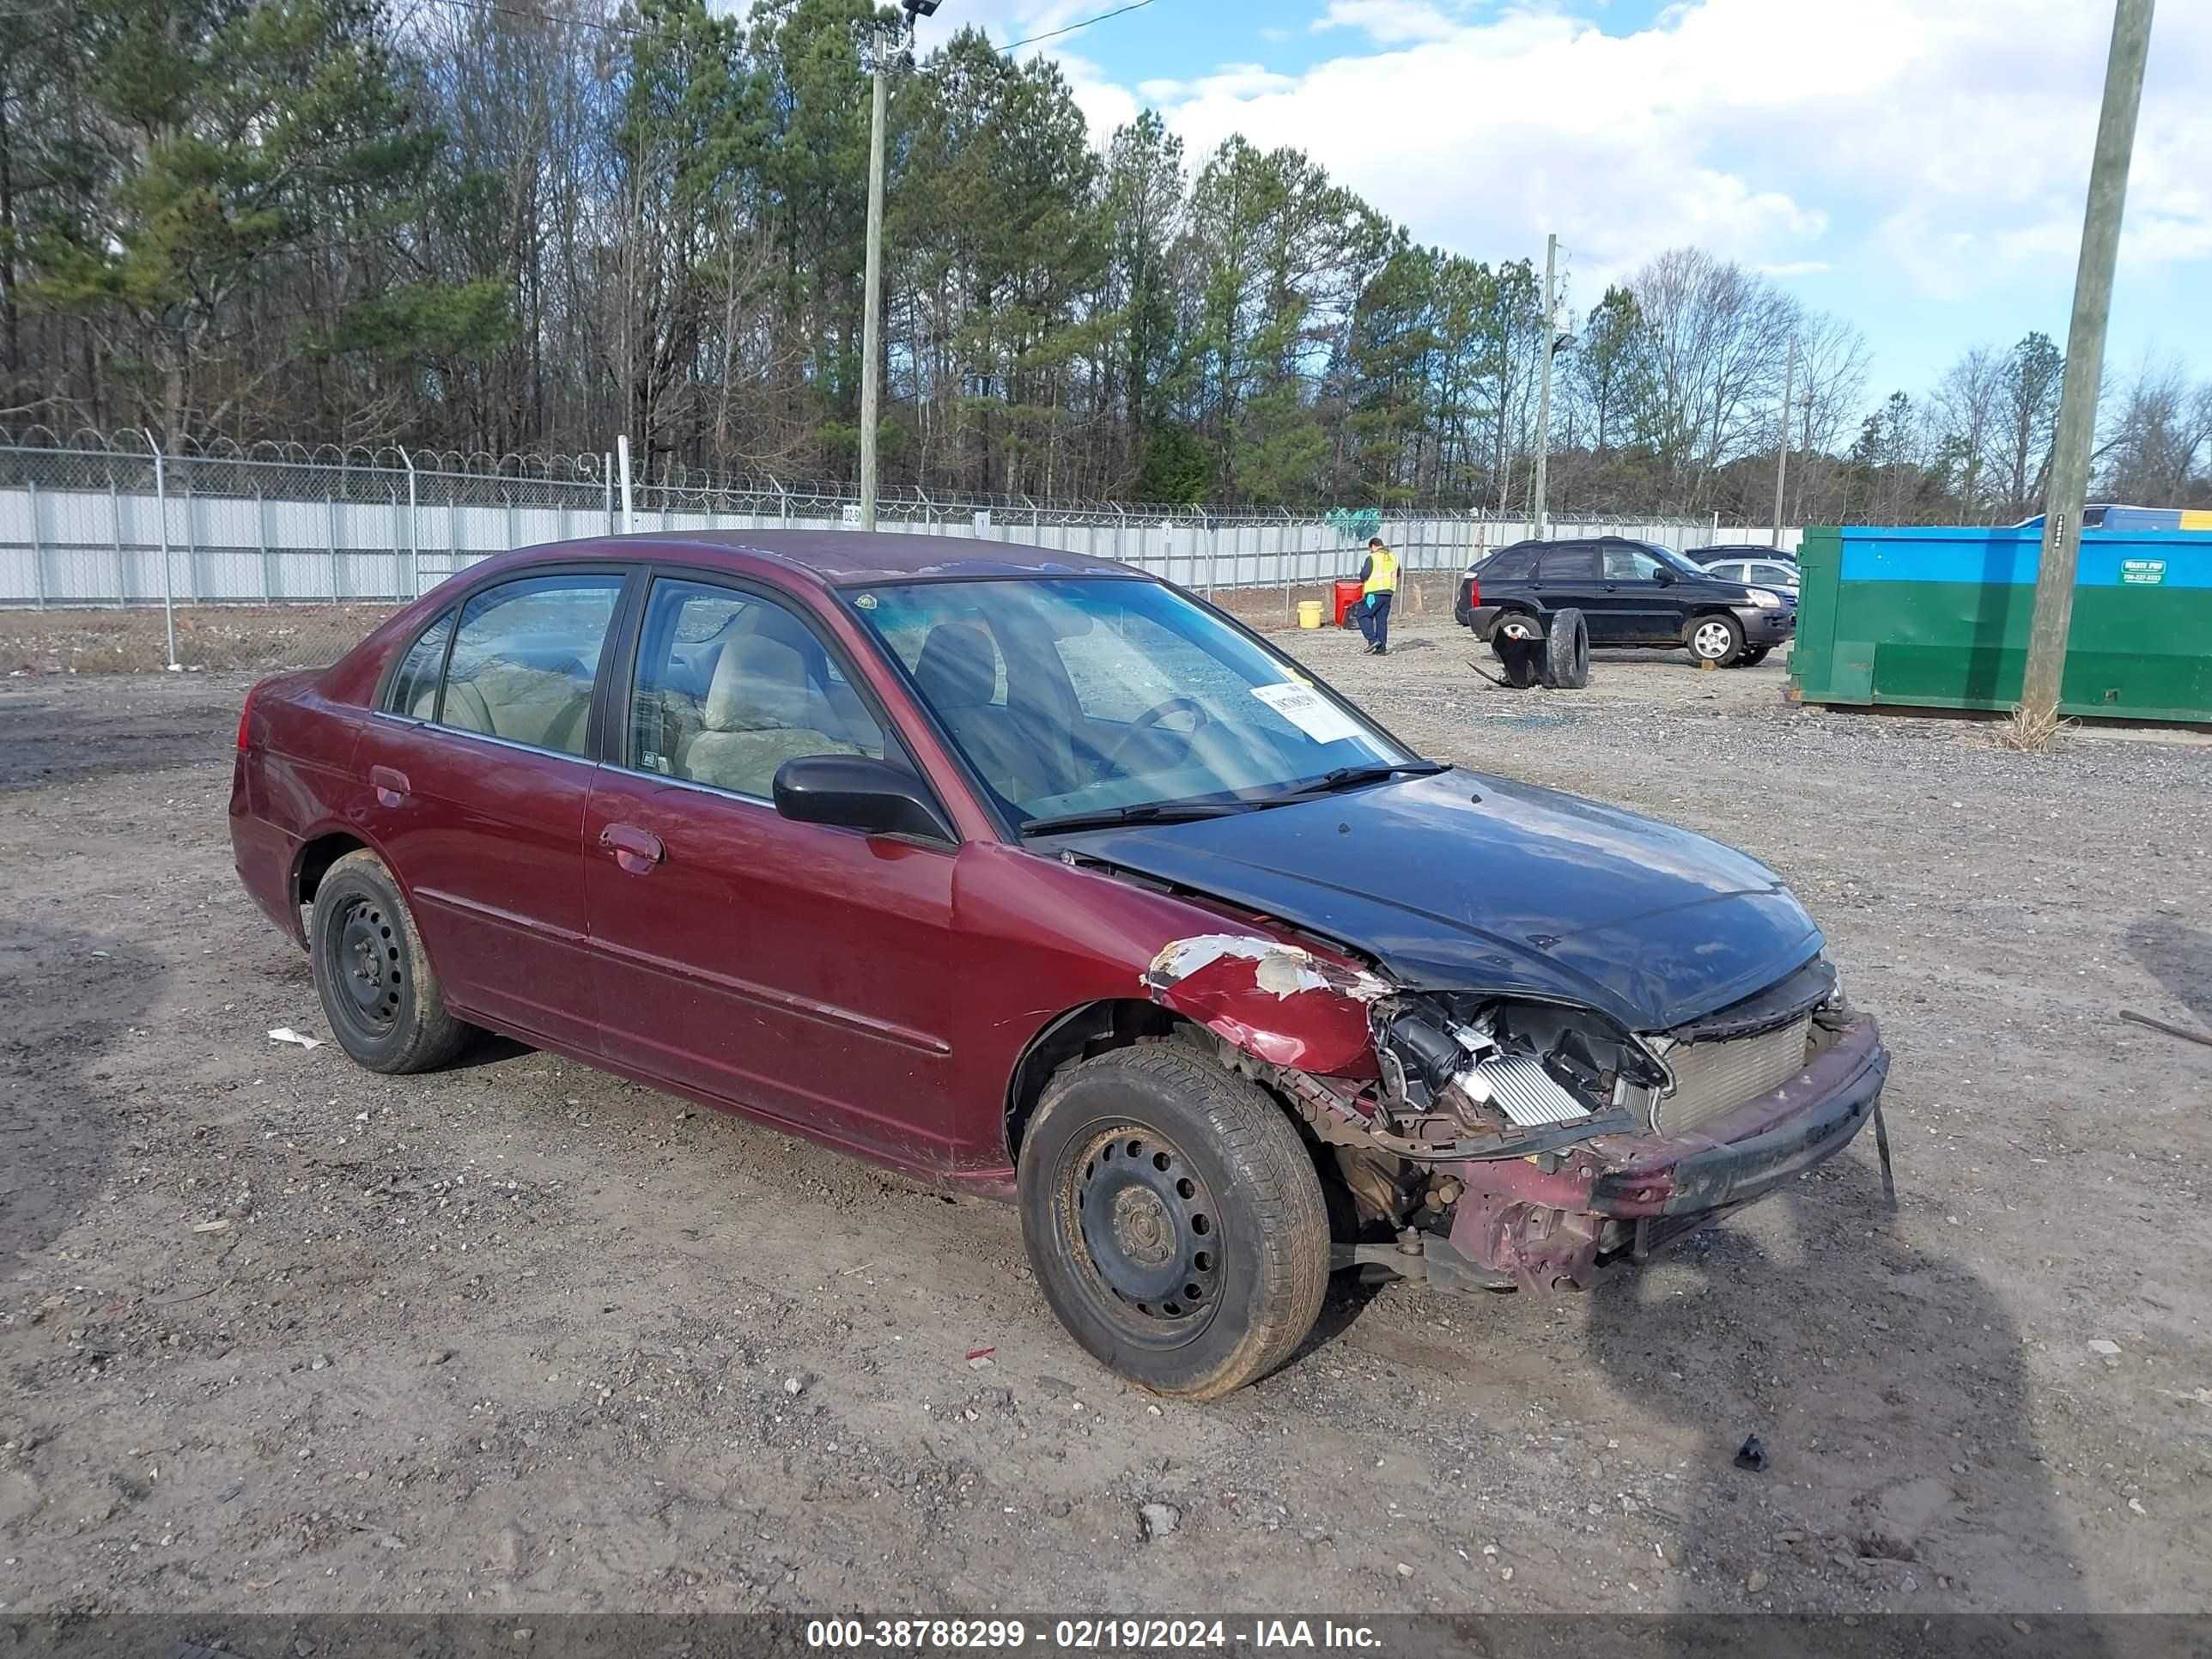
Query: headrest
[(758, 686), (959, 668)]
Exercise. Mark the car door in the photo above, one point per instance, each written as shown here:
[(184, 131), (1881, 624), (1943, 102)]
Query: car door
[(1645, 609), (790, 970), (479, 769), (1566, 574)]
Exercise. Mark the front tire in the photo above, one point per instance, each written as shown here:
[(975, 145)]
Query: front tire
[(1717, 639), (1753, 657), (379, 990), (1174, 1220)]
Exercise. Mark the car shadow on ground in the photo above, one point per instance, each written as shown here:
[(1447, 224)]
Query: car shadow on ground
[(1887, 1388), (2179, 957), (65, 1008)]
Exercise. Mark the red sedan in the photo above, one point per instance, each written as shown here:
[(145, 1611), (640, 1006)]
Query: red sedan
[(1043, 878)]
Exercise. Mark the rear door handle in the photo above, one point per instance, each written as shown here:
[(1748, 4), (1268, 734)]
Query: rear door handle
[(391, 785), (636, 850)]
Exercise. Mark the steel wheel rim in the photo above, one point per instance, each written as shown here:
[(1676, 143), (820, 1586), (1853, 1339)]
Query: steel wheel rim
[(1516, 630), (1143, 1232), (1710, 641), (366, 966)]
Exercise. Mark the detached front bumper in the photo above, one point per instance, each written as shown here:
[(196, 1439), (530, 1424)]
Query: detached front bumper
[(1549, 1222)]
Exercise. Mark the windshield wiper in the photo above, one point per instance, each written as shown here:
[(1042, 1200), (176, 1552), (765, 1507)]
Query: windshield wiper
[(1161, 811), (1349, 777)]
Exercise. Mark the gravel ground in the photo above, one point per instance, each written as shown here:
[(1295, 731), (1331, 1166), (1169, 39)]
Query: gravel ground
[(279, 1335)]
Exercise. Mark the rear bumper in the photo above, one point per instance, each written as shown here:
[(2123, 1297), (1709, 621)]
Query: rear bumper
[(262, 854), (1542, 1228)]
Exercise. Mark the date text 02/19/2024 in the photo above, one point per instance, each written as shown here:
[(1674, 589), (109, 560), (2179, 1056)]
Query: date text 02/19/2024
[(1086, 1635)]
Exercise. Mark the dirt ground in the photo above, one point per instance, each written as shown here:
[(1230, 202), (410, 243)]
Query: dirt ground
[(279, 1335)]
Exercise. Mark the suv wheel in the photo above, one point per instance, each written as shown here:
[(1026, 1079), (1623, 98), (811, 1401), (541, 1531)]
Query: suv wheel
[(1513, 625), (1174, 1220), (1716, 639), (1754, 657)]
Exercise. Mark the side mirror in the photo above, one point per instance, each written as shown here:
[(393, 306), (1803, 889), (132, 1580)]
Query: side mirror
[(1663, 574), (852, 791)]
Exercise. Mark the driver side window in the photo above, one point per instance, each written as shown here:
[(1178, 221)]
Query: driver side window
[(1627, 564), (731, 686)]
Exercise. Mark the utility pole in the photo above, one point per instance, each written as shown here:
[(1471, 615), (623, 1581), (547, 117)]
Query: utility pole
[(2085, 362), (1781, 453), (1544, 396), (872, 311), (872, 328)]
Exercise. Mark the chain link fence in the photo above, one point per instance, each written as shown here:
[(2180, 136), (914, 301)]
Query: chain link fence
[(273, 554)]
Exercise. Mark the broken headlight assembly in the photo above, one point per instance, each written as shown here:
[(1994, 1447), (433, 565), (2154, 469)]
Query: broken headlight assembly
[(1521, 1076)]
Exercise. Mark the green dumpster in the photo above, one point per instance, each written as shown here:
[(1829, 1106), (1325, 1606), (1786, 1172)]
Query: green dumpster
[(1938, 618)]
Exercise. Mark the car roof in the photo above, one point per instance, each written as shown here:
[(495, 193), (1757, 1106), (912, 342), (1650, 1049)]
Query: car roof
[(837, 558)]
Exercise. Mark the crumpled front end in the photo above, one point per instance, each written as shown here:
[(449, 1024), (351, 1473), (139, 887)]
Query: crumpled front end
[(1500, 1142)]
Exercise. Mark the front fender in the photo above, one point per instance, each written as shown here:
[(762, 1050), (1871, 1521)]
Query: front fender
[(1279, 1003)]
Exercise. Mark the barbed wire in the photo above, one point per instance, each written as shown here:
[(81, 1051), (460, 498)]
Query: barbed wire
[(85, 457)]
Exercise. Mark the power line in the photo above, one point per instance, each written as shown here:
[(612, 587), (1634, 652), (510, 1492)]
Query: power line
[(1052, 35)]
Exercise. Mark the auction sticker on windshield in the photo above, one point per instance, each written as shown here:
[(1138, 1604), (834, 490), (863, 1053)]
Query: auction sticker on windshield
[(1307, 709)]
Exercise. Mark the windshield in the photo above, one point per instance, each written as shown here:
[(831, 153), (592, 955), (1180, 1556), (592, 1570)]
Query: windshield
[(1079, 695), (1672, 560)]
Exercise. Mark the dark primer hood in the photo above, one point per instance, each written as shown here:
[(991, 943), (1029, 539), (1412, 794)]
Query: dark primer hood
[(1466, 881)]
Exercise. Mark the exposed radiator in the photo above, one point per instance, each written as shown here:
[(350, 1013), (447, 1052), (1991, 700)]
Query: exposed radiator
[(1524, 1091), (1712, 1078)]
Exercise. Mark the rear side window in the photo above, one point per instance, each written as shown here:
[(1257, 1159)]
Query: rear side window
[(526, 659), (1570, 564), (413, 689), (1511, 565)]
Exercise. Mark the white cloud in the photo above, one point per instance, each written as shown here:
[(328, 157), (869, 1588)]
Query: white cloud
[(1105, 104), (1391, 22), (1941, 142)]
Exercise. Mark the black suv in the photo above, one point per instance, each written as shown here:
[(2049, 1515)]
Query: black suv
[(1630, 592)]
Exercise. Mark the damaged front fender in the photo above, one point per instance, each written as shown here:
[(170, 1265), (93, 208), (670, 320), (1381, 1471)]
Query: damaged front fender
[(1281, 1004)]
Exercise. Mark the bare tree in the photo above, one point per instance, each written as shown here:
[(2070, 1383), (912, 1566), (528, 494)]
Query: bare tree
[(2163, 426), (1967, 410)]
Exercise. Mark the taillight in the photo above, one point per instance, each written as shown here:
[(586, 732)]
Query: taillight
[(245, 712), (1474, 591)]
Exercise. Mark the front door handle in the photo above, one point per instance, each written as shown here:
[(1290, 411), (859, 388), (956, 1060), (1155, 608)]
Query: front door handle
[(390, 786), (636, 850)]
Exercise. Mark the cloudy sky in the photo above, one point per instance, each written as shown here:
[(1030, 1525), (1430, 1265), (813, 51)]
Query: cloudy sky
[(1916, 165)]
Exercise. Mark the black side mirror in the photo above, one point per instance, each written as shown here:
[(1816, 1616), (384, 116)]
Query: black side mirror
[(1663, 574), (852, 791)]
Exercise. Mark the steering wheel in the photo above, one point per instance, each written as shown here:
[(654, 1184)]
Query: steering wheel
[(1151, 717)]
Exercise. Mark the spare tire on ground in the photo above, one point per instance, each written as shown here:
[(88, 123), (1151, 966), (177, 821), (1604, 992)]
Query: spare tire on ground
[(1566, 665)]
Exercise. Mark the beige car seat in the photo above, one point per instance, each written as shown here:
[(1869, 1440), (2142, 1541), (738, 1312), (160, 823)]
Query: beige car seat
[(760, 711)]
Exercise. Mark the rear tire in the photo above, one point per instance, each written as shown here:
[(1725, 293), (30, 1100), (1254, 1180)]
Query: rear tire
[(1717, 639), (379, 990), (1174, 1220), (1566, 651), (1513, 625)]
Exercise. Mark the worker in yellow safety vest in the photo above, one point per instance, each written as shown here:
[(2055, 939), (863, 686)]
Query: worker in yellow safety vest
[(1378, 579)]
